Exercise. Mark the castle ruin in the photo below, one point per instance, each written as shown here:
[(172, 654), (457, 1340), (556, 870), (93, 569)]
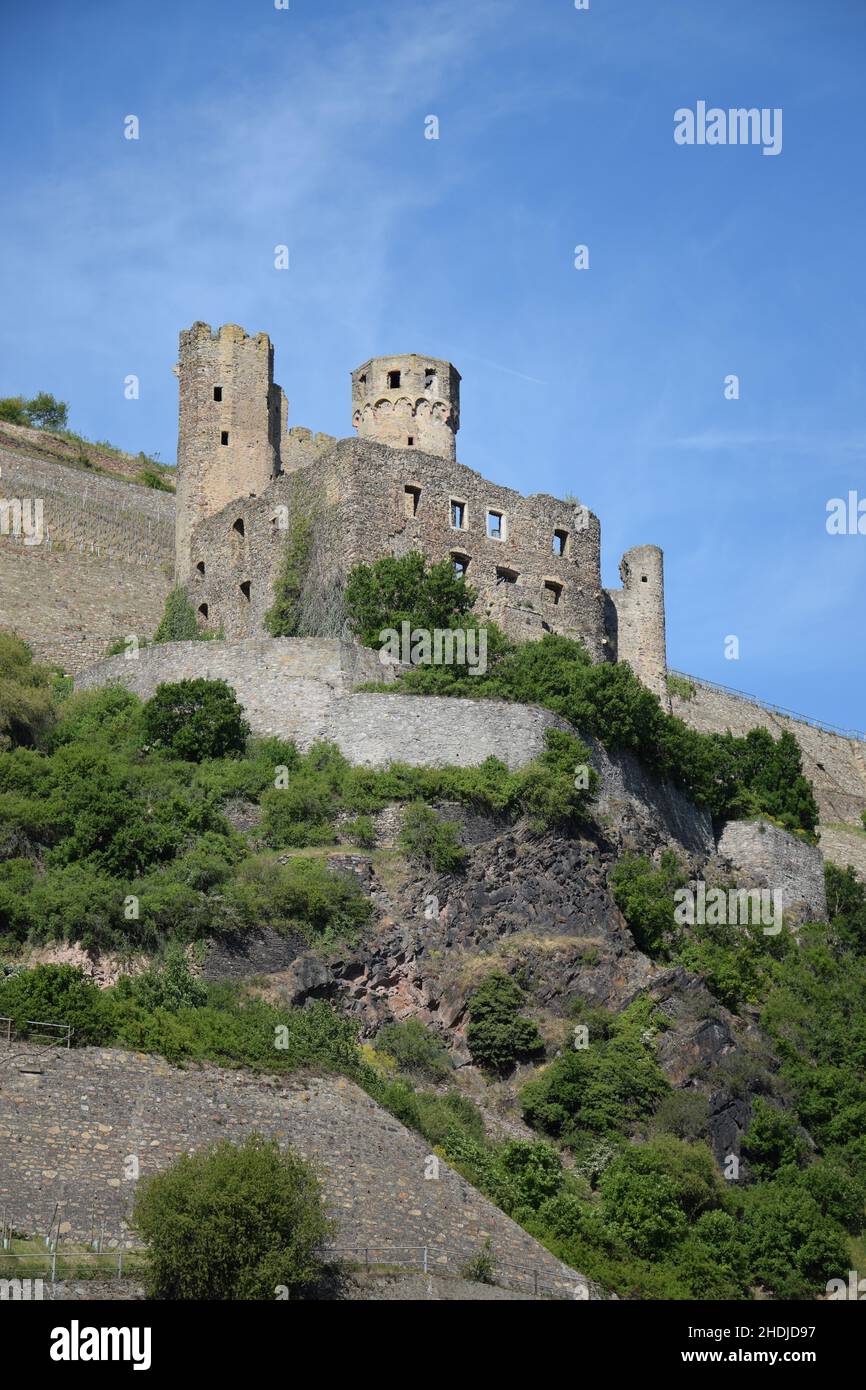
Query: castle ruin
[(244, 478)]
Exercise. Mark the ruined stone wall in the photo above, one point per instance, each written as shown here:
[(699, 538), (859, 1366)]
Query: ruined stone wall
[(636, 617), (764, 856), (408, 402), (66, 1135), (227, 447), (286, 685), (834, 764), (372, 500)]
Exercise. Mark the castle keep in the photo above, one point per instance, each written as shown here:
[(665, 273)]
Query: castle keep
[(245, 480)]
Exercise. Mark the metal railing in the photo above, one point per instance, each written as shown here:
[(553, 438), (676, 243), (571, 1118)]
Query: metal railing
[(427, 1259), (36, 1030), (770, 708)]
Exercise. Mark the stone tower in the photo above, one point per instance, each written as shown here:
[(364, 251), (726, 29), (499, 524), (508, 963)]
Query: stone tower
[(408, 402), (232, 418), (640, 617)]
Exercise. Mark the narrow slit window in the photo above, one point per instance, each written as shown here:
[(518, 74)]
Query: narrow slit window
[(411, 498), (224, 436), (560, 542), (394, 379), (411, 440), (495, 526), (458, 515), (239, 527), (246, 589), (218, 393)]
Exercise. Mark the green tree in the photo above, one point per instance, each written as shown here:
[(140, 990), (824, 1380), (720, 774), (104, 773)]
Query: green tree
[(196, 719), (45, 412), (240, 1222), (13, 409), (397, 589), (497, 1036)]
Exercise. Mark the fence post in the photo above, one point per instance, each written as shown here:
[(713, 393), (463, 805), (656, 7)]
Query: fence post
[(120, 1263), (54, 1261), (535, 1281), (425, 1259)]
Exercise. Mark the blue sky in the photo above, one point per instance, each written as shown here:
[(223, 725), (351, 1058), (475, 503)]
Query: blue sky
[(306, 127)]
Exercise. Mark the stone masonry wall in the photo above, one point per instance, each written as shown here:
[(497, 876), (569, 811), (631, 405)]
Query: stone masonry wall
[(70, 607), (92, 514), (766, 857), (101, 569), (373, 500), (67, 1132), (835, 765)]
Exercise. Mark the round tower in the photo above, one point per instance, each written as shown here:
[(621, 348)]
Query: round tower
[(408, 403), (229, 425), (640, 607)]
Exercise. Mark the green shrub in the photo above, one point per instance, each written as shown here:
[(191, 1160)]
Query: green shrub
[(302, 895), (429, 840), (283, 617), (27, 706), (497, 1036), (196, 719), (414, 1048), (57, 994), (179, 622), (604, 1088), (361, 831), (481, 1268), (239, 1222), (645, 896), (791, 1247), (772, 1140)]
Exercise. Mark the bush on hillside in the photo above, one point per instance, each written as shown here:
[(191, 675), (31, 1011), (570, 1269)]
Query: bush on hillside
[(238, 1222), (196, 719)]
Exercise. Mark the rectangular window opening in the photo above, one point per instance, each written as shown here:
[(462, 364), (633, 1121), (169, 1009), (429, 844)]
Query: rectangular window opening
[(560, 542), (504, 576), (411, 498), (246, 589), (393, 381), (552, 592), (461, 564), (458, 515), (224, 436), (218, 393), (495, 526)]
